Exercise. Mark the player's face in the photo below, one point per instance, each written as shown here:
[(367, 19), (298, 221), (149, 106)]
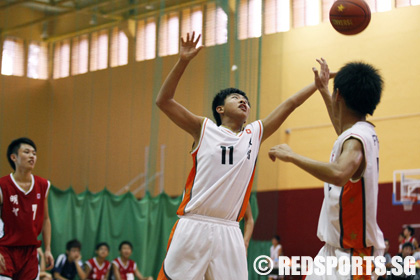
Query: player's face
[(125, 251), (406, 232), (25, 158), (236, 104), (102, 252)]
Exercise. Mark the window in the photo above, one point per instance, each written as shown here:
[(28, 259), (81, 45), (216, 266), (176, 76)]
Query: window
[(276, 16), (326, 7), (146, 39), (379, 5), (192, 20), (38, 60), (99, 50), (13, 57), (306, 12), (119, 47), (216, 25), (80, 55), (61, 59), (404, 3), (169, 34), (250, 19)]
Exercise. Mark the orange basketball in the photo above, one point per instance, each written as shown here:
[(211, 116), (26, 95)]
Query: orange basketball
[(350, 17)]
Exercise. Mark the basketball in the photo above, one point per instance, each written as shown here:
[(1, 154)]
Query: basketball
[(350, 17)]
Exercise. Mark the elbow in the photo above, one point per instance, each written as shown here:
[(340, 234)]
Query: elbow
[(339, 179), (158, 102)]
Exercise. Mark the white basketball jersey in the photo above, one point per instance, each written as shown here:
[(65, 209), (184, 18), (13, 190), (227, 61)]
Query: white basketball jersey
[(220, 181), (348, 214)]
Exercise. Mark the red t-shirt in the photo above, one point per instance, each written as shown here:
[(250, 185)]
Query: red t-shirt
[(127, 271), (22, 213), (98, 272)]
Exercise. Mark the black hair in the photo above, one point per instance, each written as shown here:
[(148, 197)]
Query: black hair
[(360, 85), (73, 244), (410, 229), (408, 244), (14, 148), (219, 100), (276, 237), (125, 243), (99, 245)]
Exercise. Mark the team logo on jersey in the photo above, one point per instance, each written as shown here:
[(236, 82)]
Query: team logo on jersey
[(248, 131), (38, 196), (14, 199), (15, 210)]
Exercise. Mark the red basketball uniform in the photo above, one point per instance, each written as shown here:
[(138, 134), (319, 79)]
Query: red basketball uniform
[(22, 217), (97, 272), (126, 271)]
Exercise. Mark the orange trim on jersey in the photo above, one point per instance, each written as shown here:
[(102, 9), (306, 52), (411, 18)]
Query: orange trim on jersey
[(247, 195), (363, 252), (352, 215), (259, 136), (188, 186), (191, 177), (162, 275)]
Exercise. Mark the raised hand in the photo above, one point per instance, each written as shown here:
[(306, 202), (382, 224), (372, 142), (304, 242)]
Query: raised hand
[(189, 47), (322, 78)]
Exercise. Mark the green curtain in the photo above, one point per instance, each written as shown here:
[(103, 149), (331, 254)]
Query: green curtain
[(105, 217)]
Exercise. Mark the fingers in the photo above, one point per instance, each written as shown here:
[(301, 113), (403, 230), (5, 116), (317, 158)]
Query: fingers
[(198, 38), (190, 39)]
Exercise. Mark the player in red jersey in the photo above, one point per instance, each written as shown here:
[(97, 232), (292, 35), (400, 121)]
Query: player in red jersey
[(98, 268), (124, 268), (24, 215)]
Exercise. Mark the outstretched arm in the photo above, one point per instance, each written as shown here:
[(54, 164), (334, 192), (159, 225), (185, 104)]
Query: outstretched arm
[(321, 82), (182, 117), (337, 173), (273, 121)]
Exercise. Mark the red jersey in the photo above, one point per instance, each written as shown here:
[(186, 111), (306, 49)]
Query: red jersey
[(22, 213), (127, 271), (98, 272)]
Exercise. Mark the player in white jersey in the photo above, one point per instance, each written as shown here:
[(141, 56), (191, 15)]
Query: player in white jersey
[(347, 223), (206, 241)]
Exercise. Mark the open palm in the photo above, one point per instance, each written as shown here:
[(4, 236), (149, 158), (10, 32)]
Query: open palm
[(189, 47)]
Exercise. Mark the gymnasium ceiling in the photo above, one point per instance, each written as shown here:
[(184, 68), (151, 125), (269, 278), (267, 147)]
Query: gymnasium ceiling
[(50, 20)]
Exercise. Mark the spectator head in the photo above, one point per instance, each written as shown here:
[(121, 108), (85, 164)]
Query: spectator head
[(407, 249), (126, 248), (73, 248)]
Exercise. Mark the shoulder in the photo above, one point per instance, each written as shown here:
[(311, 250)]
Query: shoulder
[(5, 181), (41, 180), (61, 259), (90, 263)]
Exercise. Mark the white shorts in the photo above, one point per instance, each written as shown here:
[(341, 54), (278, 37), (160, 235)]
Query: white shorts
[(337, 252), (206, 248)]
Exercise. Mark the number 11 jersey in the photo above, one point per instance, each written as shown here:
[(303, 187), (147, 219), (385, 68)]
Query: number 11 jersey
[(220, 181)]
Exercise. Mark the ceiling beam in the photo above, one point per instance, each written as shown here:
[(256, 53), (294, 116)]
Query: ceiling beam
[(48, 18), (8, 5)]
